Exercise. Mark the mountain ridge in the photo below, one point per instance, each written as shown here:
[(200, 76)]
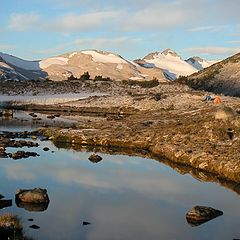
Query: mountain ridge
[(98, 63)]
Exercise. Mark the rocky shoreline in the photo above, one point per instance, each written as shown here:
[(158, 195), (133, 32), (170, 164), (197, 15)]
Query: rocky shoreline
[(170, 120)]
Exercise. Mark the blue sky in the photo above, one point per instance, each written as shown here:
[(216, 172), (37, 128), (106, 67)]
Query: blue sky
[(35, 29)]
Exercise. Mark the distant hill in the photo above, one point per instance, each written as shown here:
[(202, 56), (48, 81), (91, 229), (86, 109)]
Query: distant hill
[(222, 77)]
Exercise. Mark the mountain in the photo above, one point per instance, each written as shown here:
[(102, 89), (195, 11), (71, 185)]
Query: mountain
[(222, 77), (199, 63), (14, 68), (170, 62), (97, 63)]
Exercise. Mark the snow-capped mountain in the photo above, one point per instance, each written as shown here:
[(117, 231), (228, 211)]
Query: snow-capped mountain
[(97, 63), (200, 63), (166, 65), (170, 62)]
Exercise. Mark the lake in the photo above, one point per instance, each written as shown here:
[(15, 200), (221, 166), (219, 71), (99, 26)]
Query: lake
[(122, 197)]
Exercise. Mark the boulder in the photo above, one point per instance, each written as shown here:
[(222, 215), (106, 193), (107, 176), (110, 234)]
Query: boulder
[(95, 158), (36, 196), (201, 214)]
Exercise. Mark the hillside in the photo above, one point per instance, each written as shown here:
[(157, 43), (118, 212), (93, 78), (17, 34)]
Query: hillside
[(222, 77)]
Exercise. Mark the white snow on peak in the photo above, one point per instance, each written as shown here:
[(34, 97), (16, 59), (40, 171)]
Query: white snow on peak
[(73, 54), (18, 62), (105, 58), (200, 63), (52, 61), (172, 64)]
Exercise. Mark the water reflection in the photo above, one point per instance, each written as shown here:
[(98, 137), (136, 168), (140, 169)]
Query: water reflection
[(5, 203), (122, 197)]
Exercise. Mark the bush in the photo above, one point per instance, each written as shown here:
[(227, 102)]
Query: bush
[(101, 78), (85, 76), (143, 84)]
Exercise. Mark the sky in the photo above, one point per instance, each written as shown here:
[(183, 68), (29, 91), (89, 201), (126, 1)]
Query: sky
[(37, 29)]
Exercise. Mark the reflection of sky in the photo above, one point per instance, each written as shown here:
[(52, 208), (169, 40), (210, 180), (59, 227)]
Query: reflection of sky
[(123, 197)]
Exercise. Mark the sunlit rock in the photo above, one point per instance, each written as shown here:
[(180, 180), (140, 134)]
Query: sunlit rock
[(33, 196), (201, 214)]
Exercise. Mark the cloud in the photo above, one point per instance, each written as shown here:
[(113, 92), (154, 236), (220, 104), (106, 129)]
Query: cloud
[(109, 43), (213, 50), (23, 21), (4, 47), (205, 29), (234, 42), (72, 22), (53, 50)]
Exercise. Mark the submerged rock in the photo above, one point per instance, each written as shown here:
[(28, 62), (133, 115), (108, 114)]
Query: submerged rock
[(201, 214), (95, 158), (85, 223), (34, 226), (36, 196), (5, 203), (22, 154)]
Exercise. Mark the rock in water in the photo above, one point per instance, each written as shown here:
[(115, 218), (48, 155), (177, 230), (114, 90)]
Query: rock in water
[(36, 196), (200, 214), (95, 158), (34, 226), (85, 223)]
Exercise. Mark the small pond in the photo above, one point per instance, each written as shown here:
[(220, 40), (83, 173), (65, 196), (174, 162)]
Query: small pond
[(122, 197)]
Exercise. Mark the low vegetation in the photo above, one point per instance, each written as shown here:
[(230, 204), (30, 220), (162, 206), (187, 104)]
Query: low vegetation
[(142, 84)]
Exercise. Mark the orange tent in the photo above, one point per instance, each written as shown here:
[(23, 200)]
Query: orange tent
[(217, 100)]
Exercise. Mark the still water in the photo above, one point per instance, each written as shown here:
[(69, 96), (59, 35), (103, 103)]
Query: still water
[(122, 197)]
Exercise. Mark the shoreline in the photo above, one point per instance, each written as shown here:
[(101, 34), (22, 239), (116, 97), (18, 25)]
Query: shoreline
[(170, 120)]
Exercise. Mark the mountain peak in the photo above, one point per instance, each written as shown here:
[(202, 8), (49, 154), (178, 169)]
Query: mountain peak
[(195, 59), (169, 51)]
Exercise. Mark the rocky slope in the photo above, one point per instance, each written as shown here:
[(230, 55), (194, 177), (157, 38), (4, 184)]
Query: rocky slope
[(222, 77)]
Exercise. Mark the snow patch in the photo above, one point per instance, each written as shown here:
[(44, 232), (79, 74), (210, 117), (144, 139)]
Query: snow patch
[(52, 61), (105, 58), (135, 78), (72, 54), (119, 66)]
